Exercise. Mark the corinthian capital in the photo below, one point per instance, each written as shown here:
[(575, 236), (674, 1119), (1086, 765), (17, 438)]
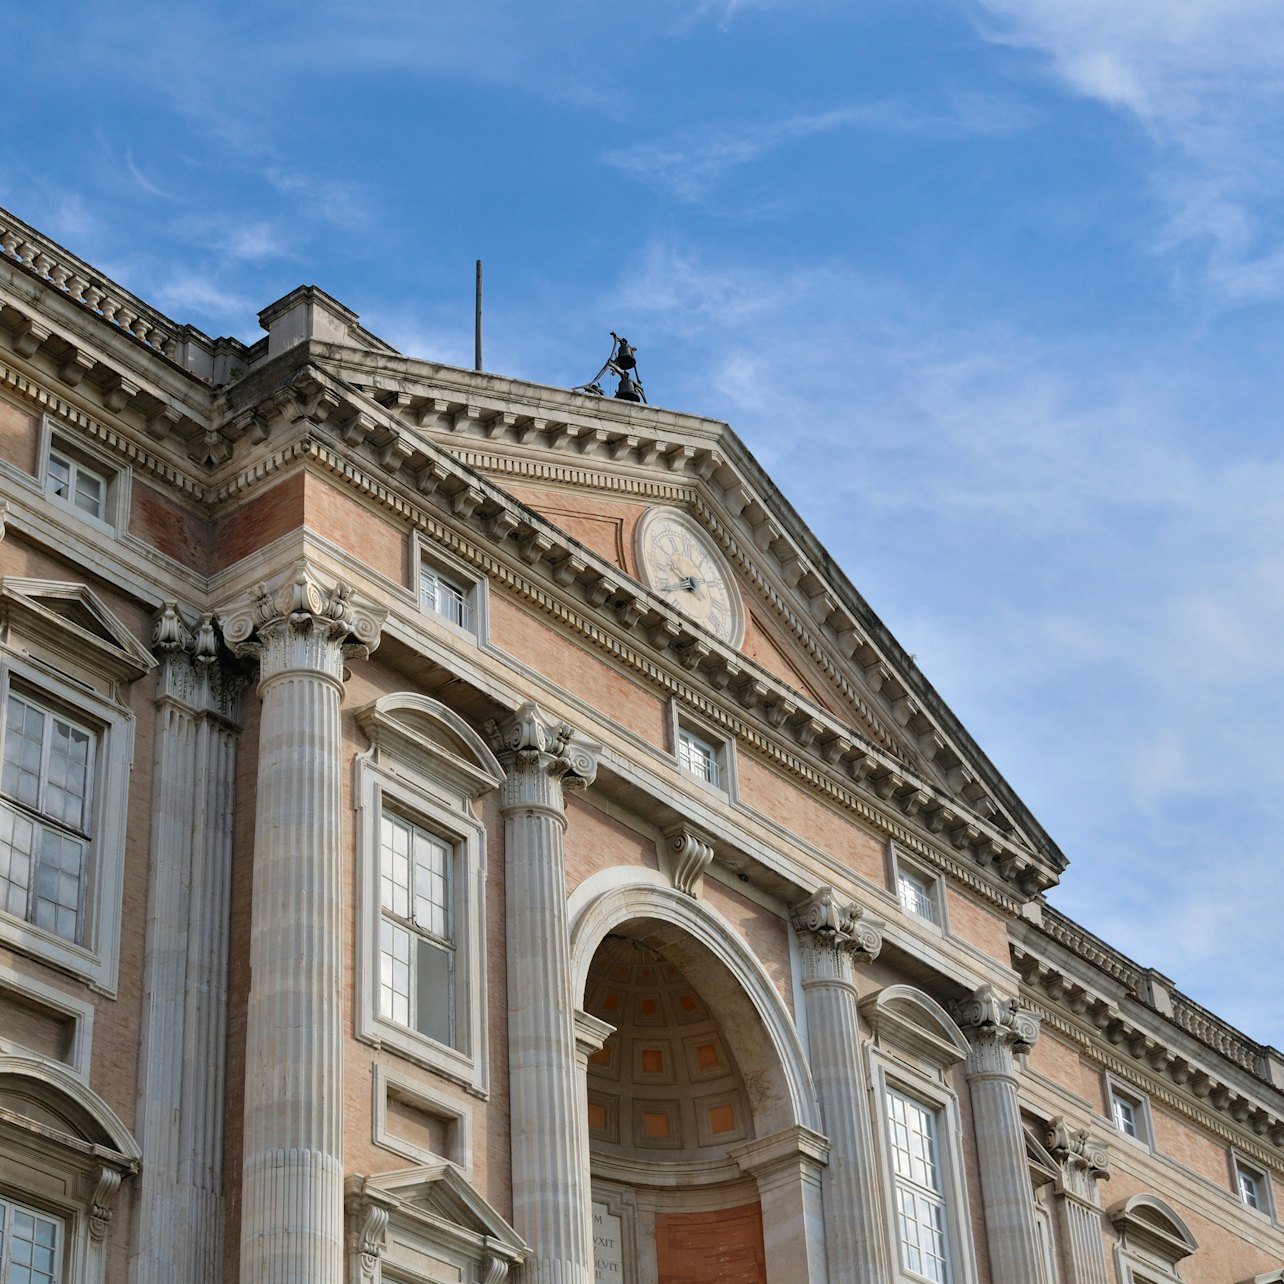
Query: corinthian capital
[(997, 1028), (301, 620), (834, 934), (541, 756), (1084, 1159), (192, 669)]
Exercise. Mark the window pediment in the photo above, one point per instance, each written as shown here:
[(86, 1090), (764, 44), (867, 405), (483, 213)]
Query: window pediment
[(72, 620), (1147, 1225), (432, 739), (905, 1018)]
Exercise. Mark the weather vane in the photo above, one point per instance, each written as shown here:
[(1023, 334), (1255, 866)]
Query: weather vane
[(622, 363)]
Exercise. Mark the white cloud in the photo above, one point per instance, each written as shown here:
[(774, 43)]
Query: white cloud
[(1205, 80)]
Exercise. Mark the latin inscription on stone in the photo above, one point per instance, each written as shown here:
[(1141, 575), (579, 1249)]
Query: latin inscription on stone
[(608, 1246)]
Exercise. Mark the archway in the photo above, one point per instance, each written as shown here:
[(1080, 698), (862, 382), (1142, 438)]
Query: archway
[(703, 1154)]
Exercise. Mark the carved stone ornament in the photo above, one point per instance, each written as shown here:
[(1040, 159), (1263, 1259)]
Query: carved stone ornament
[(367, 1224), (100, 1204), (985, 1017), (834, 934), (690, 853), (496, 1271), (300, 620), (542, 756), (1084, 1159), (191, 670)]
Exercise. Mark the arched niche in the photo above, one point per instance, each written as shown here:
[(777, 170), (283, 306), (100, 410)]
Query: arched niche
[(730, 980)]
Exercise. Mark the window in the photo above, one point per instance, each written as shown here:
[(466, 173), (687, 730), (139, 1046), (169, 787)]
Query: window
[(30, 1245), (445, 594), (76, 484), (45, 797), (698, 757), (422, 857), (1252, 1186), (915, 894), (920, 1192), (416, 936), (917, 888), (66, 745), (1129, 1112), (915, 1045)]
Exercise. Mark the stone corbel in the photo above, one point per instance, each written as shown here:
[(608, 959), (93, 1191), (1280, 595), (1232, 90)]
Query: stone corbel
[(494, 1270), (367, 1212), (687, 853), (106, 1188)]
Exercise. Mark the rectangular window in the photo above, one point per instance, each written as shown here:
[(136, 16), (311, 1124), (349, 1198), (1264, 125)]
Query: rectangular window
[(30, 1245), (698, 757), (1251, 1187), (444, 595), (916, 894), (76, 485), (45, 802), (416, 931), (1129, 1113), (919, 1187)]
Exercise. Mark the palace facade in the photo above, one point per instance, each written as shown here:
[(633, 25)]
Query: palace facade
[(455, 830)]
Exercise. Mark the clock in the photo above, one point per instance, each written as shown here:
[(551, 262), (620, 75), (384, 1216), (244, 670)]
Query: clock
[(679, 561)]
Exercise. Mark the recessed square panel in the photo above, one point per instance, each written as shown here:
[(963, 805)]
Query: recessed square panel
[(720, 1119), (706, 1057), (687, 1008), (653, 1061), (604, 1117), (657, 1125), (648, 1009)]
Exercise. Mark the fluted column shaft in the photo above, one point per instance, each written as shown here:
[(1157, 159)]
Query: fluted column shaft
[(292, 1176), (833, 938), (551, 1197), (179, 1232), (998, 1029), (1084, 1161)]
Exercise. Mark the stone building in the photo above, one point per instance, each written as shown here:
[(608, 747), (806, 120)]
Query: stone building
[(454, 829)]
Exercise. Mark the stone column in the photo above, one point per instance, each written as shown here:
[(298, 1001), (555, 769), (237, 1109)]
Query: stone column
[(179, 1229), (551, 1197), (998, 1029), (1084, 1161), (834, 936), (292, 1175)]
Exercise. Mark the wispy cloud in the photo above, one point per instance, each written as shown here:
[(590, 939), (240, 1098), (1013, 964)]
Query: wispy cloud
[(690, 165), (1204, 79)]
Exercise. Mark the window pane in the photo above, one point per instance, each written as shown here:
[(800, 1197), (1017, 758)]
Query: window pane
[(23, 745), (920, 1202), (432, 899), (916, 895), (59, 476), (31, 1245), (435, 999), (1250, 1190), (67, 786), (442, 595), (394, 973), (1125, 1116), (698, 757), (89, 493), (17, 854)]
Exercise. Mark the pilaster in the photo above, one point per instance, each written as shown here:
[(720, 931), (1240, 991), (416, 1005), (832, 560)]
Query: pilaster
[(179, 1231), (999, 1030), (542, 758), (1084, 1161), (301, 629), (834, 936)]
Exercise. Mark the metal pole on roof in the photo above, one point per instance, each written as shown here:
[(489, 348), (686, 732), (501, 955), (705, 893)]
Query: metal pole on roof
[(477, 325)]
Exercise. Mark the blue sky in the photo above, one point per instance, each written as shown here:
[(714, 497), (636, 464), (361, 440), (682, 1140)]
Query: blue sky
[(991, 287)]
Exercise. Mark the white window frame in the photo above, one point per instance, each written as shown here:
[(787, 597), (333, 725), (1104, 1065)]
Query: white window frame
[(1117, 1091), (95, 956), (9, 1209), (81, 457), (388, 1085), (914, 1058), (46, 999), (420, 780), (470, 588), (933, 884), (1241, 1165), (703, 735)]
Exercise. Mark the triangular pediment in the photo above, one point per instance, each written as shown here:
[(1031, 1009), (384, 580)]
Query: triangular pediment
[(442, 1192), (71, 618), (811, 658)]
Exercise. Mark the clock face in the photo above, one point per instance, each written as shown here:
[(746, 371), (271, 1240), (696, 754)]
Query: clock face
[(679, 562)]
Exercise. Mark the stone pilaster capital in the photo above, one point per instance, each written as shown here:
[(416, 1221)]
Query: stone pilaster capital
[(192, 669), (301, 620), (834, 934), (542, 756), (997, 1028), (1084, 1159), (367, 1212)]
